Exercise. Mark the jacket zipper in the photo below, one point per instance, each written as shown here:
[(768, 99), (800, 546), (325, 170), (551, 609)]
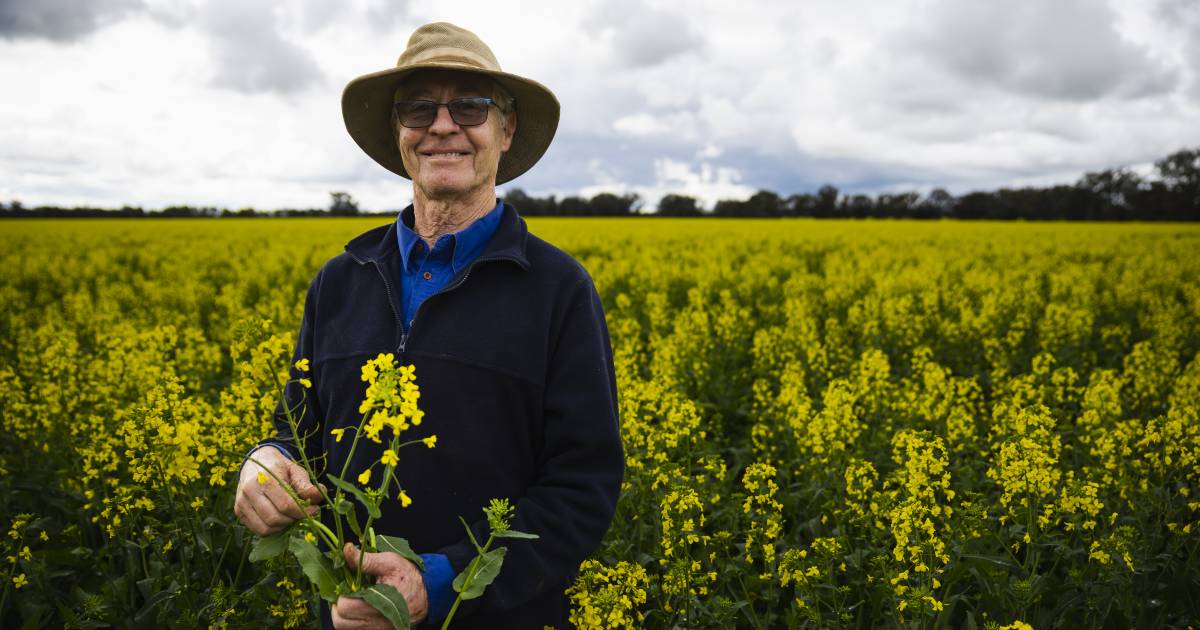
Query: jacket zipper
[(387, 286), (404, 336)]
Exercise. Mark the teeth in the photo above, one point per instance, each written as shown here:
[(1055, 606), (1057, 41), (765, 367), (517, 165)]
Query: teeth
[(447, 154)]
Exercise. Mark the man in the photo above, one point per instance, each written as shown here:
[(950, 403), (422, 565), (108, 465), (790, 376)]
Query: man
[(506, 332)]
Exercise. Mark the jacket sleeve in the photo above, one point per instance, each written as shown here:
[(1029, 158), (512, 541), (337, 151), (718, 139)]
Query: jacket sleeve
[(303, 401), (570, 504)]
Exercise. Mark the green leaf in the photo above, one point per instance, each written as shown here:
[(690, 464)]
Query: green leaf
[(388, 601), (342, 506), (346, 486), (512, 533), (153, 602), (398, 545), (486, 568), (269, 547), (317, 567)]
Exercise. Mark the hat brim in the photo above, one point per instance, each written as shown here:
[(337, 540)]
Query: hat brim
[(367, 111)]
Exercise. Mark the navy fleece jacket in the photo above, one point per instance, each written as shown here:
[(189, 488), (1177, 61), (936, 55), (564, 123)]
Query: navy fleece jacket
[(515, 369)]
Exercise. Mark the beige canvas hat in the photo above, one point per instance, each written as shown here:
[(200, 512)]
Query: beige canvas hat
[(367, 100)]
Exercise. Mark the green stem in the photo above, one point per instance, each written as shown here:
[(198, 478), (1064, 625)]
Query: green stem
[(8, 581), (470, 577), (221, 559), (383, 488)]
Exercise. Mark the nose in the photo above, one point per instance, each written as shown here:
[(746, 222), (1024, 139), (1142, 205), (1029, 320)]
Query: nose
[(442, 122)]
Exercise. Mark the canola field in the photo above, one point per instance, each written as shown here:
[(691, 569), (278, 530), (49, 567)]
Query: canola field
[(826, 424)]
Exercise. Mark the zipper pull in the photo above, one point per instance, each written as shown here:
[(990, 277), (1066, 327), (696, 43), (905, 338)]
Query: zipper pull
[(403, 342)]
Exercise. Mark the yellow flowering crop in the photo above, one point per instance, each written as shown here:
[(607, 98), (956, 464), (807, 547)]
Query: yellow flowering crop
[(897, 423)]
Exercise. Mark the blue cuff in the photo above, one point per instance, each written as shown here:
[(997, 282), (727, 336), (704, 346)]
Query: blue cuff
[(439, 580), (262, 446)]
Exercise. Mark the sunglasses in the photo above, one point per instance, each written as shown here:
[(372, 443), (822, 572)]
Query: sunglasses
[(465, 112)]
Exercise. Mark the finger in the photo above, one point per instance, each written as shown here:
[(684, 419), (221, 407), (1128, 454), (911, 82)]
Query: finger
[(371, 562), (356, 612), (350, 551), (298, 478), (340, 620), (283, 502), (253, 522), (268, 513)]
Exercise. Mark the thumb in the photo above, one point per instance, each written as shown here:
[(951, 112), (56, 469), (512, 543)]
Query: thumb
[(298, 478), (371, 562)]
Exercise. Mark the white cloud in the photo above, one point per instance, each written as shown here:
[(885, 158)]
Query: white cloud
[(220, 102)]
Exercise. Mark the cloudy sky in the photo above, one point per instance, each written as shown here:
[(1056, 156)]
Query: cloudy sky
[(236, 103)]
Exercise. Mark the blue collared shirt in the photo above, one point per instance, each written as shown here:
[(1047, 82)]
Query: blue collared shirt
[(425, 272)]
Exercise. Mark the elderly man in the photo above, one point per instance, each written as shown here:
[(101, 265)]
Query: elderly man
[(506, 332)]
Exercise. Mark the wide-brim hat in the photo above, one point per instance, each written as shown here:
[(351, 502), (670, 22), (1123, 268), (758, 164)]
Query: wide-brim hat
[(367, 100)]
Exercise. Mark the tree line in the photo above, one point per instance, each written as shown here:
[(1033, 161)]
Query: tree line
[(1170, 193)]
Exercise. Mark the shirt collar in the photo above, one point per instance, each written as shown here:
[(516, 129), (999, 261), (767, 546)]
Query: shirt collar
[(466, 244)]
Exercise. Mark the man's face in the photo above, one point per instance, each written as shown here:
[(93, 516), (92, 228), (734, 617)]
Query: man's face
[(446, 160)]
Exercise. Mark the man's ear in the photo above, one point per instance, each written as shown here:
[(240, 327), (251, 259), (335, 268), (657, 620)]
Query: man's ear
[(510, 128)]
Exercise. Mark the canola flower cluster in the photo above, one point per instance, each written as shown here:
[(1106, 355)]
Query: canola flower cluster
[(826, 424)]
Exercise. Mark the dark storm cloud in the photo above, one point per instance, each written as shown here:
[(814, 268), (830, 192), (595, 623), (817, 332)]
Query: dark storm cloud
[(1066, 49), (250, 54), (642, 36), (60, 20)]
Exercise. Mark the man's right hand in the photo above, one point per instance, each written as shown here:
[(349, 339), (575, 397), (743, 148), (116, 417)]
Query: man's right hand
[(266, 508)]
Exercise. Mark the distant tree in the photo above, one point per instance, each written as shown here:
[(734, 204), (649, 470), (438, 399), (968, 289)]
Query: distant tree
[(678, 206), (574, 207), (531, 206), (938, 203), (975, 205), (1153, 201), (827, 198), (857, 206), (763, 203), (729, 208), (1107, 195), (341, 204), (896, 204), (1180, 173), (610, 205), (800, 205)]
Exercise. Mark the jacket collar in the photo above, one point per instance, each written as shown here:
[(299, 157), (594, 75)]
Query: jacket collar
[(507, 243)]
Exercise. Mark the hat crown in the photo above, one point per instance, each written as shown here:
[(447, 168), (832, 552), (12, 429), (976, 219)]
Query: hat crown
[(445, 43)]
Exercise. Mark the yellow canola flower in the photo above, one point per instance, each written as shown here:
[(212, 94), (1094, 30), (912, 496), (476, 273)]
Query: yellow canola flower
[(405, 501), (430, 441), (263, 478), (389, 458), (197, 503), (302, 365), (365, 477), (307, 383), (309, 537), (26, 553), (20, 581), (337, 434)]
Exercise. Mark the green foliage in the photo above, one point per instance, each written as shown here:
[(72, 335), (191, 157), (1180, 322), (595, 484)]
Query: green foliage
[(136, 372)]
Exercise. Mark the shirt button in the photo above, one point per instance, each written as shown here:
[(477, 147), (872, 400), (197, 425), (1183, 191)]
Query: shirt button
[(427, 275)]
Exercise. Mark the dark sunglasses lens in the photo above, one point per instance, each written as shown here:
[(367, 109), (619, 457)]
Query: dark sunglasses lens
[(468, 111), (416, 113)]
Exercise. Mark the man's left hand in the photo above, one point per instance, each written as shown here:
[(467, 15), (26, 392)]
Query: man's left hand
[(351, 613)]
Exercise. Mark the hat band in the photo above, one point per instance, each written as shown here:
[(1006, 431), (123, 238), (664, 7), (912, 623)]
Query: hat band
[(451, 55)]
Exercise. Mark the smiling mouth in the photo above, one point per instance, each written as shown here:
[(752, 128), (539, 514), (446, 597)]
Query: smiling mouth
[(445, 154)]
